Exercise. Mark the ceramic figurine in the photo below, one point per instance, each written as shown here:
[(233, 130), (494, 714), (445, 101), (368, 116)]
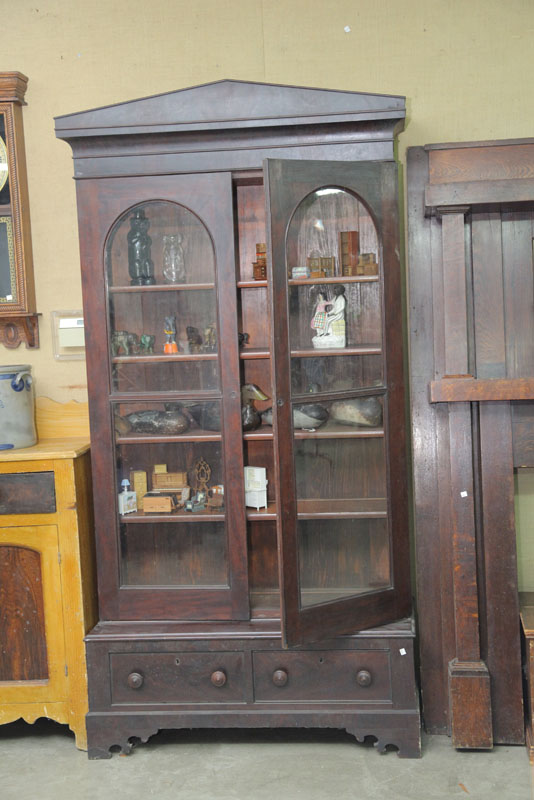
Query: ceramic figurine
[(146, 343), (140, 265), (173, 258), (365, 411), (306, 416), (332, 333), (125, 341), (250, 416), (194, 339), (169, 329)]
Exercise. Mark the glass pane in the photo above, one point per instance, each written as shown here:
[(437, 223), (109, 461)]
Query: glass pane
[(332, 235), (342, 559), (182, 555), (159, 243), (170, 485), (162, 302), (323, 374), (335, 328), (5, 196)]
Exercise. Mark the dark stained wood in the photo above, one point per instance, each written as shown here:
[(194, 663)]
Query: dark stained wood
[(497, 373), (495, 161), (27, 493), (23, 653), (462, 389), (469, 686), (199, 153)]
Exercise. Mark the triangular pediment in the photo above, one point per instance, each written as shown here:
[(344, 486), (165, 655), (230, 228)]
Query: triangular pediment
[(230, 104)]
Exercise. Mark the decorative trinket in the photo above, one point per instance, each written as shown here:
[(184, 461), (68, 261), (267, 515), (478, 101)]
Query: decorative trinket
[(332, 331), (173, 258), (140, 265), (169, 330), (256, 487), (127, 499)]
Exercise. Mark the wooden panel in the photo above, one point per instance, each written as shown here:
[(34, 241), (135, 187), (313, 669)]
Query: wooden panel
[(498, 162), (454, 298), (478, 194), (430, 437), (23, 653), (27, 493), (488, 300), (517, 233), (460, 389), (500, 572), (43, 540), (469, 685)]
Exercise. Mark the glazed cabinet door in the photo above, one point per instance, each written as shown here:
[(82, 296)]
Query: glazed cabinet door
[(339, 413), (166, 410)]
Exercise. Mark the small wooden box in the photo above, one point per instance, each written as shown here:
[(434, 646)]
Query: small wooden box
[(169, 480), (159, 502)]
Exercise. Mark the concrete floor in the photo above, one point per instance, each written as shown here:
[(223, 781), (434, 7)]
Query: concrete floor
[(41, 761)]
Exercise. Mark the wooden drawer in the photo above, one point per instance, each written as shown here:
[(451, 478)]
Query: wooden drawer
[(322, 675), (27, 493), (163, 678)]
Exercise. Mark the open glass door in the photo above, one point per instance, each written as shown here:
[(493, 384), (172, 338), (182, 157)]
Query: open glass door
[(339, 412)]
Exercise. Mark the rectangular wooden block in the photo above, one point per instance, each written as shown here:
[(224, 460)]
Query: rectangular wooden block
[(470, 699)]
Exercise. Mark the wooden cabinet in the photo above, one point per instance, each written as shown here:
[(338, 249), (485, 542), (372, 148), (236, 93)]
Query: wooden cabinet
[(241, 277), (47, 600)]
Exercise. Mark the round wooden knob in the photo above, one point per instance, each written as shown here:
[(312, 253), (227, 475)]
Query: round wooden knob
[(135, 680), (218, 678), (364, 678), (280, 677)]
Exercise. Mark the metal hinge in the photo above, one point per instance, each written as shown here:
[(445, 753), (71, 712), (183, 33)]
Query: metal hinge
[(66, 670), (58, 557)]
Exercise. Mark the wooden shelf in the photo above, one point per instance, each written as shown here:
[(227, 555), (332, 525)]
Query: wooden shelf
[(331, 430), (195, 435), (164, 359), (351, 350), (257, 352), (329, 508), (335, 508), (252, 284), (159, 287), (260, 434), (335, 279), (139, 517)]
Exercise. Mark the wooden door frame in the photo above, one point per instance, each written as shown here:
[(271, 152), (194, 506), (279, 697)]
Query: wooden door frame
[(463, 444)]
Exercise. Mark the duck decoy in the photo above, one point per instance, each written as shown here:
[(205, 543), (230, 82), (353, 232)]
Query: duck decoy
[(250, 416), (306, 416), (365, 411)]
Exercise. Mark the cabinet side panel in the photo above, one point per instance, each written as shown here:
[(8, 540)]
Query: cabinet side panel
[(23, 655)]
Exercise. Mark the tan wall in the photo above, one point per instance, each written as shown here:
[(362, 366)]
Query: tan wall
[(465, 67)]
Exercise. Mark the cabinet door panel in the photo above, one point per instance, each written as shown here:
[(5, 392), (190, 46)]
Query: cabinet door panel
[(32, 649), (170, 422), (337, 348)]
